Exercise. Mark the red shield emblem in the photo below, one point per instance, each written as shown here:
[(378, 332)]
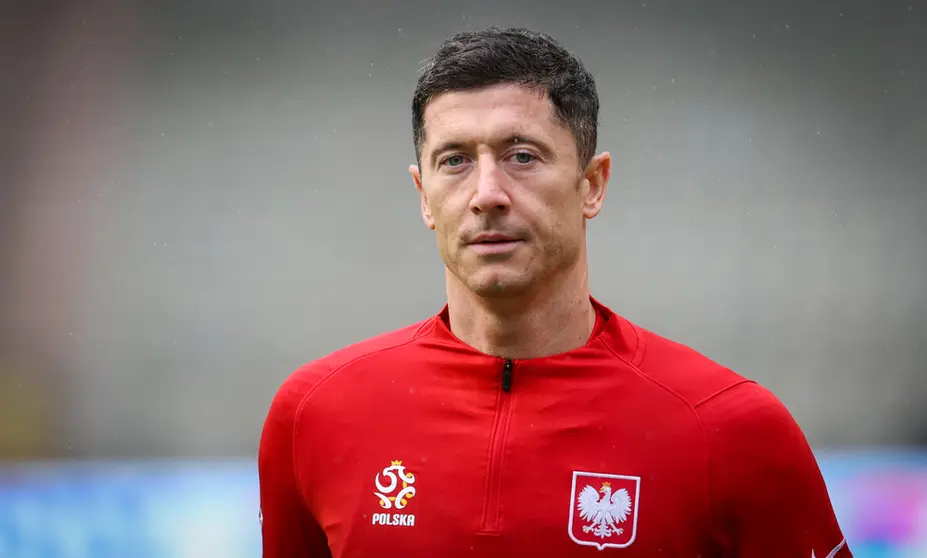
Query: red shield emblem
[(603, 509)]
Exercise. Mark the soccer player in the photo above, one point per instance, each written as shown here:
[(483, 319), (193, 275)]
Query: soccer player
[(526, 418)]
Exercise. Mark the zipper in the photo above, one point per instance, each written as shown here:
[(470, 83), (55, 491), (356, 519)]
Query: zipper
[(492, 506), (507, 375)]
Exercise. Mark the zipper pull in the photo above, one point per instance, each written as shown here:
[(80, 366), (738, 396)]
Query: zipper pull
[(507, 376)]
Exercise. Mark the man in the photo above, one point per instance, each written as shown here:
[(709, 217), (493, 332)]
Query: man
[(526, 418)]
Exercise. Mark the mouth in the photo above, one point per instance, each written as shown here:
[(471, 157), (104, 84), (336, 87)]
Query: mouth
[(493, 239), (494, 243)]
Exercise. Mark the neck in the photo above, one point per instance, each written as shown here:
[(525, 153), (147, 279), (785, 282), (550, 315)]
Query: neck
[(555, 318)]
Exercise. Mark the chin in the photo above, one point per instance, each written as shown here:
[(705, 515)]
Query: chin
[(498, 286)]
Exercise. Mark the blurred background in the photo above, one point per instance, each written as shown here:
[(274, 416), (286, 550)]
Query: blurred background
[(197, 197)]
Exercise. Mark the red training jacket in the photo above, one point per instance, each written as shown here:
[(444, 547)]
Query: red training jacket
[(412, 444)]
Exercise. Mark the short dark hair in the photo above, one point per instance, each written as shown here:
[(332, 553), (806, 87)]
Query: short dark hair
[(492, 56)]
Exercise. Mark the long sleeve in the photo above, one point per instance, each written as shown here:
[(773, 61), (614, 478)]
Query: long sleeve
[(288, 529), (767, 492)]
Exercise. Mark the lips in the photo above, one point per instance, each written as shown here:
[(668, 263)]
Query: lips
[(494, 244), (493, 238)]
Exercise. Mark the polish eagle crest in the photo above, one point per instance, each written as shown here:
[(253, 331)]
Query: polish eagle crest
[(604, 514)]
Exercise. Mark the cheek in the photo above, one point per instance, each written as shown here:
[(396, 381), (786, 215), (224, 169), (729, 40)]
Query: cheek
[(558, 216), (443, 206), (440, 216), (446, 226), (445, 238)]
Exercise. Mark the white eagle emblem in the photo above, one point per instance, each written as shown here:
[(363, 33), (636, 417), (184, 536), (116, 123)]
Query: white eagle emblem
[(603, 515), (609, 521)]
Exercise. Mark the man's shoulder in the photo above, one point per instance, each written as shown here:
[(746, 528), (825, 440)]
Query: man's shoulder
[(683, 370), (314, 373), (726, 402), (390, 341)]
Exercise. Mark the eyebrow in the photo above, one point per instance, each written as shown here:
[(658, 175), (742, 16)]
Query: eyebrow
[(455, 145)]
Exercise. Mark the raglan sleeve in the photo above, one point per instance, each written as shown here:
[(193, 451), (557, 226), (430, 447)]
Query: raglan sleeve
[(768, 495), (288, 529)]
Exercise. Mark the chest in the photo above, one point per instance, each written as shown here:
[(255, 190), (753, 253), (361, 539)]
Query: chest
[(520, 473)]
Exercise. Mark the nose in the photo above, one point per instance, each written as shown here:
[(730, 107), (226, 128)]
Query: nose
[(490, 194)]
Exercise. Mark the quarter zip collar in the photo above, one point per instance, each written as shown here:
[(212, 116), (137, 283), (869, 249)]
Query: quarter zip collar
[(611, 332)]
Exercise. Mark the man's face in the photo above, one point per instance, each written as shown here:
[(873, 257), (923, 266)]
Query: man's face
[(502, 187)]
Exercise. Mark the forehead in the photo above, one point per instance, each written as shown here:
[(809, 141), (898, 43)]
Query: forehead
[(489, 113)]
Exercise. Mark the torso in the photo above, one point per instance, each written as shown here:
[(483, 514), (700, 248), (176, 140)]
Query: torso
[(502, 473)]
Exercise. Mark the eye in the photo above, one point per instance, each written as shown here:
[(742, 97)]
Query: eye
[(454, 160), (523, 157)]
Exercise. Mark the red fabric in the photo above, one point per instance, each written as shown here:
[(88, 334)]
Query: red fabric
[(690, 458)]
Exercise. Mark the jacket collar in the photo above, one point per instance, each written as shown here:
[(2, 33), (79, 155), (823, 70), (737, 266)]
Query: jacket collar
[(612, 332)]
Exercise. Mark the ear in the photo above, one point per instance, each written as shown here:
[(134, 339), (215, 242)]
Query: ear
[(596, 175), (426, 213)]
